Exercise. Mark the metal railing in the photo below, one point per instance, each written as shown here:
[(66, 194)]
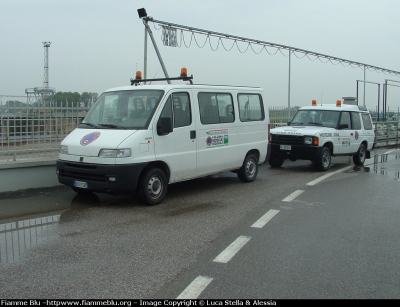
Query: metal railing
[(36, 132)]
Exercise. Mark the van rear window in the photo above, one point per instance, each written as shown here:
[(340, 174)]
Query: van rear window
[(250, 107)]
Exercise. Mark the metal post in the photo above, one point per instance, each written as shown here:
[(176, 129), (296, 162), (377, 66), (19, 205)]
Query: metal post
[(364, 89), (379, 95), (145, 54), (357, 91), (385, 102), (156, 48), (290, 52)]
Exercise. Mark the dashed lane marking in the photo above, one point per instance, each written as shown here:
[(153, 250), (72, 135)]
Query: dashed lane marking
[(314, 182), (195, 288), (265, 218), (232, 249), (293, 195)]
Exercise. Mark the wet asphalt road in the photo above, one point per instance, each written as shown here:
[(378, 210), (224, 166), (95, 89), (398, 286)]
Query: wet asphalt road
[(56, 244)]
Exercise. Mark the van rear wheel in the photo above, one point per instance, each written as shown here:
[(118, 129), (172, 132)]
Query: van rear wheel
[(152, 187), (249, 170)]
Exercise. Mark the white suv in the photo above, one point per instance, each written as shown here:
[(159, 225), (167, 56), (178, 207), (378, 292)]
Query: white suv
[(318, 132)]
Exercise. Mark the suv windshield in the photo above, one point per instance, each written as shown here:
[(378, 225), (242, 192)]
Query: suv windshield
[(131, 109), (323, 118)]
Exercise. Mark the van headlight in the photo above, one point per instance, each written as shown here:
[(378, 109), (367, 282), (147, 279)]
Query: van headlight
[(63, 149), (115, 153)]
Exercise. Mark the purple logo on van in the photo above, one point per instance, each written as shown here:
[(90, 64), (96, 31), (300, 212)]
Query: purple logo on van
[(356, 135), (89, 138)]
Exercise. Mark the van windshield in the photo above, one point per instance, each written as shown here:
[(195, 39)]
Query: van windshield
[(132, 109), (322, 118)]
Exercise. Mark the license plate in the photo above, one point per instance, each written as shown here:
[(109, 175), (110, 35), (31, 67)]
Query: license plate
[(80, 184), (285, 147)]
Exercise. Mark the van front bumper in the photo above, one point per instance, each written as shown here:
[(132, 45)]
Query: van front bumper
[(111, 179)]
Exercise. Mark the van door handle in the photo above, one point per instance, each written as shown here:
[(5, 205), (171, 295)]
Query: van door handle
[(192, 134)]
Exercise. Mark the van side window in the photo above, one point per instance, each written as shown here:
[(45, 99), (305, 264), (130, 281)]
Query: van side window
[(250, 107), (216, 108), (366, 118), (345, 120), (181, 109), (167, 110), (355, 118)]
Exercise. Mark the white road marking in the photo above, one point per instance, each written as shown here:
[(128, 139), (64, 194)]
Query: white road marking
[(265, 218), (232, 249), (195, 288), (314, 182), (388, 152), (293, 195)]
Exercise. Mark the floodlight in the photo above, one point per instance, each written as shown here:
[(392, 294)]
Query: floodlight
[(142, 13)]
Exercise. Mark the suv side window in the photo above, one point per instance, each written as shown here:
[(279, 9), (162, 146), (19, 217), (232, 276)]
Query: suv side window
[(345, 119), (355, 118), (366, 118)]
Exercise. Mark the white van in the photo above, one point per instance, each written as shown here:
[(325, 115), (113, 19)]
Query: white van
[(143, 137), (318, 132)]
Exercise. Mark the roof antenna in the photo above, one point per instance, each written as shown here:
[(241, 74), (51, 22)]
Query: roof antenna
[(155, 75)]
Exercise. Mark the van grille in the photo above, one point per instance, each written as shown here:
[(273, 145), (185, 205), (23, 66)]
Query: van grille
[(82, 172)]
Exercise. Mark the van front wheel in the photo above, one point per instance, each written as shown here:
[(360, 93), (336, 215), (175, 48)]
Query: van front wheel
[(152, 187), (249, 170)]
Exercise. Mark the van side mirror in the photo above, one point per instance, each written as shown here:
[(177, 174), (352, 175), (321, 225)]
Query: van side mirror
[(164, 126), (343, 126)]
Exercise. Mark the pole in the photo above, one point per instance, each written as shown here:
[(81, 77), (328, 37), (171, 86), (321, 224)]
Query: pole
[(156, 49), (145, 54), (290, 52), (364, 89)]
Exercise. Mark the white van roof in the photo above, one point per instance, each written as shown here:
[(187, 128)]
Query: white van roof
[(167, 87)]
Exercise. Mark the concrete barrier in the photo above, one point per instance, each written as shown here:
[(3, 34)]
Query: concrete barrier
[(27, 174)]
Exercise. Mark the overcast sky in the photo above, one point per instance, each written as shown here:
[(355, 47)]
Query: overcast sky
[(99, 44)]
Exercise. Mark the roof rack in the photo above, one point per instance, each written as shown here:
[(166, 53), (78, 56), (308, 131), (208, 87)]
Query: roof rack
[(183, 77)]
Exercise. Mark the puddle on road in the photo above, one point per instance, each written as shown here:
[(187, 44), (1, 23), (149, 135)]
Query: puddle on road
[(378, 166), (16, 237)]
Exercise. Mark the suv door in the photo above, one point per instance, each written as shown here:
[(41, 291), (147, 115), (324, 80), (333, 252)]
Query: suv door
[(346, 135), (357, 134)]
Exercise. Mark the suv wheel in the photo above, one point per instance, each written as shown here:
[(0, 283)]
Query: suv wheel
[(324, 160), (359, 157)]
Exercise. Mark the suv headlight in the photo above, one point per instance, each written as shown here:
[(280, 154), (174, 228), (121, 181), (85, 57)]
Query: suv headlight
[(308, 140), (311, 140), (115, 153), (63, 149)]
